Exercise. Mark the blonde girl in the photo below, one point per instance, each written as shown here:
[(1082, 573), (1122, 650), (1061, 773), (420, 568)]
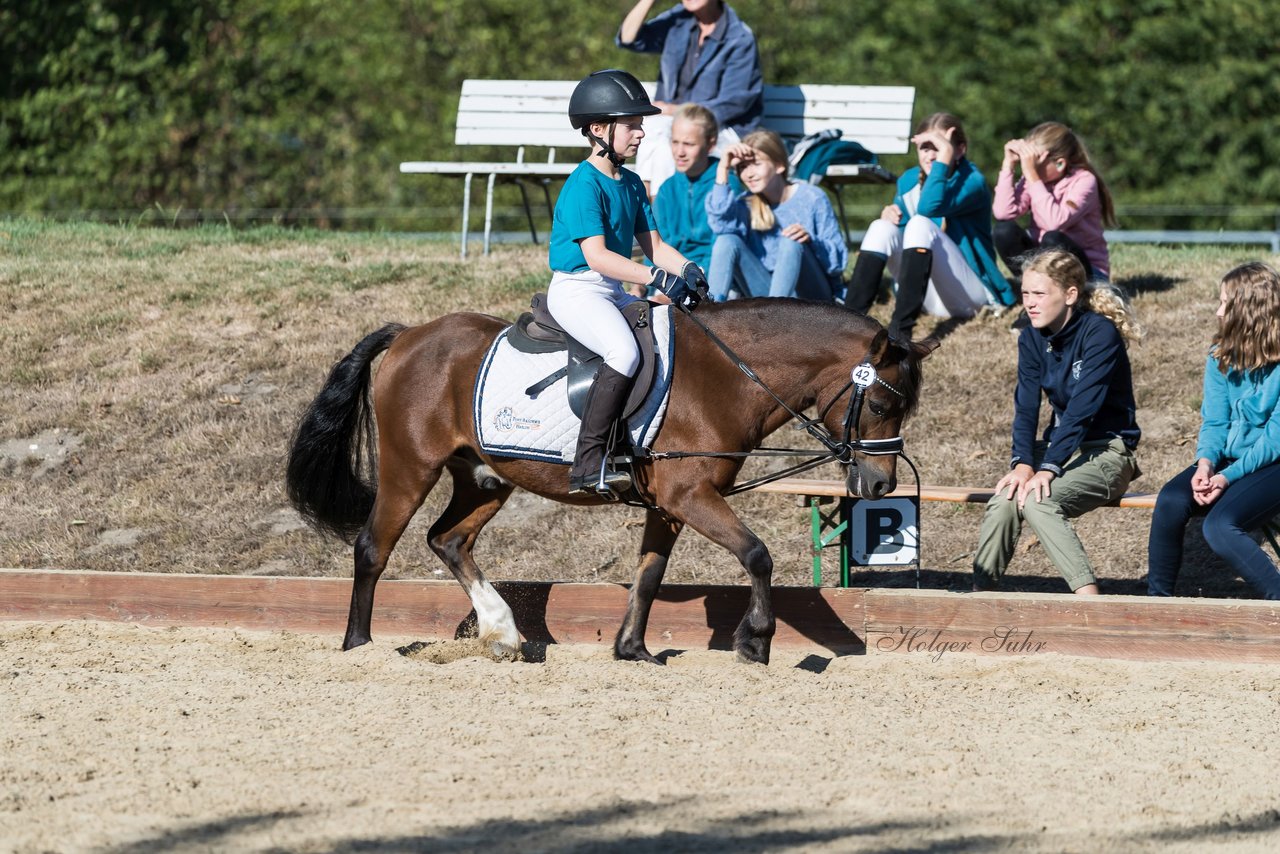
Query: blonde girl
[(1073, 353), (778, 238), (1069, 202)]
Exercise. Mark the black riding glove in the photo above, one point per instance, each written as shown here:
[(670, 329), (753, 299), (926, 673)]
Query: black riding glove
[(675, 287), (693, 274)]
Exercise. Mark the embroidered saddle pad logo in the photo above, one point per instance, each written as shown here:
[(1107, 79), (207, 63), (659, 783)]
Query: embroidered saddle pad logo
[(511, 422)]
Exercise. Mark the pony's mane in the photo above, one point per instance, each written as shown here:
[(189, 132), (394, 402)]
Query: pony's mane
[(816, 322), (807, 317)]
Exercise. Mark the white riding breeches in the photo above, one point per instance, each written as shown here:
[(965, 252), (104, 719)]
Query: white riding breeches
[(589, 306), (955, 290)]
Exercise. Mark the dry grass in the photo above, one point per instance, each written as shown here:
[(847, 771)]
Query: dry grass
[(174, 363)]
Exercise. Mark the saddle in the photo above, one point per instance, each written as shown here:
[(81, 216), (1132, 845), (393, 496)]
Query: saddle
[(536, 331)]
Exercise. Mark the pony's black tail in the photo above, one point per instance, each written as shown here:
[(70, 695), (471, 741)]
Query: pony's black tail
[(331, 478)]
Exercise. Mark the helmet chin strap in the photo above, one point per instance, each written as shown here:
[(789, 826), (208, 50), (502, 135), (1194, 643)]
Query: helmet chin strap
[(607, 146)]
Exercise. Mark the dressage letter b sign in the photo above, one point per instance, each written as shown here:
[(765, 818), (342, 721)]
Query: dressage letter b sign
[(885, 532)]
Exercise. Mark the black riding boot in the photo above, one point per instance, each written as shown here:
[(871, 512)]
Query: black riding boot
[(589, 473), (864, 284), (1012, 242), (913, 281)]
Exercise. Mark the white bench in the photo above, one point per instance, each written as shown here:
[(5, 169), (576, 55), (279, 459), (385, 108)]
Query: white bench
[(534, 113)]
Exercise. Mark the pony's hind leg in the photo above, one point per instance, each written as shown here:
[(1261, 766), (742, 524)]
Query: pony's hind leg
[(660, 533), (452, 538), (399, 497)]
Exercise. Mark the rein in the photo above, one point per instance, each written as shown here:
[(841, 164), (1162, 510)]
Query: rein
[(861, 378)]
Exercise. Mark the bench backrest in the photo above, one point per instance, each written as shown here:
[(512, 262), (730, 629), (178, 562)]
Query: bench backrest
[(534, 113)]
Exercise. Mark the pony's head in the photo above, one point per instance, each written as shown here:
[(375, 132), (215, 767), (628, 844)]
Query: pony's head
[(890, 390)]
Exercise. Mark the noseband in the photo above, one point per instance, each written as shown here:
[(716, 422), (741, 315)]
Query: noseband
[(861, 378)]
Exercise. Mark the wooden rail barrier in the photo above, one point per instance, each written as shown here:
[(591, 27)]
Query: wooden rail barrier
[(828, 621)]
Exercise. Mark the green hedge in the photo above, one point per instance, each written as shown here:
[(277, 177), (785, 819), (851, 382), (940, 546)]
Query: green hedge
[(302, 105)]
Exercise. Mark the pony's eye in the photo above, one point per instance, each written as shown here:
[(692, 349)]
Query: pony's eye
[(877, 409)]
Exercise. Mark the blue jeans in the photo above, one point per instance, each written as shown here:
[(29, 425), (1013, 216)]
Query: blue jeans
[(796, 273), (1244, 506)]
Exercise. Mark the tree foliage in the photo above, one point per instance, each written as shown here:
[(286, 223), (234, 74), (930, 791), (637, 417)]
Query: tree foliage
[(300, 104)]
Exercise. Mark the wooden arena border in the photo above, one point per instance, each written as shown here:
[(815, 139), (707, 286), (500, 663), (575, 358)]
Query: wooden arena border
[(832, 621)]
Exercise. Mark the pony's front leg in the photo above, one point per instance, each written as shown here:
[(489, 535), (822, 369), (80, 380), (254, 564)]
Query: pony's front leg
[(660, 533), (705, 510)]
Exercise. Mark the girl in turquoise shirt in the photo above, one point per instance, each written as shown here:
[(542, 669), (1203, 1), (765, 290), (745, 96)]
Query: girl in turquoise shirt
[(600, 211), (1235, 481)]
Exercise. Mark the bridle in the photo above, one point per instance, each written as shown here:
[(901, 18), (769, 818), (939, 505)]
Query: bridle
[(861, 378)]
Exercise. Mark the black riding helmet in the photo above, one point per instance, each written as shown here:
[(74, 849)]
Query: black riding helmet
[(607, 96)]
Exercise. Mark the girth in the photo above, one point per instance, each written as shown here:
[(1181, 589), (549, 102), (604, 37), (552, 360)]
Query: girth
[(536, 331)]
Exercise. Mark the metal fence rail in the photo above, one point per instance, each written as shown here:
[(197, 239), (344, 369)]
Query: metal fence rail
[(440, 222), (1254, 238)]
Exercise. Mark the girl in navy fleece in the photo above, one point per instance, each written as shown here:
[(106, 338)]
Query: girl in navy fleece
[(1235, 480), (1073, 352)]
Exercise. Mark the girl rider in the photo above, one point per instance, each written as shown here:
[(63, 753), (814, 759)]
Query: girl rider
[(601, 210)]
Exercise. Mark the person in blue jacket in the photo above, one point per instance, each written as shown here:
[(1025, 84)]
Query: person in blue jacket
[(681, 203), (709, 57), (1073, 354), (1235, 481), (935, 237)]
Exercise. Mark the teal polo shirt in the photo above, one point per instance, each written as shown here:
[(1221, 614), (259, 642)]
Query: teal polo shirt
[(591, 203)]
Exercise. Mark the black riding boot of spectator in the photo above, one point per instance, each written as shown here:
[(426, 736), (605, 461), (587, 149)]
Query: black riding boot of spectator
[(913, 280), (1011, 241), (864, 284), (590, 473)]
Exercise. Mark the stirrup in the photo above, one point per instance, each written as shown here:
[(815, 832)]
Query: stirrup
[(612, 484), (615, 481)]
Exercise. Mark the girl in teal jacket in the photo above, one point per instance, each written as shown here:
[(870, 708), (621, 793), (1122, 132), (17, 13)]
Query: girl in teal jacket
[(1235, 481), (935, 237)]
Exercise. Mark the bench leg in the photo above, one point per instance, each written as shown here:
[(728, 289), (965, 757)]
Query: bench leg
[(488, 210), (844, 221), (824, 528), (846, 538), (528, 212), (546, 192), (815, 530), (466, 211)]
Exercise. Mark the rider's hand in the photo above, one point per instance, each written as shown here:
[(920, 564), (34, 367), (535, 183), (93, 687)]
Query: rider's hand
[(693, 274), (675, 287)]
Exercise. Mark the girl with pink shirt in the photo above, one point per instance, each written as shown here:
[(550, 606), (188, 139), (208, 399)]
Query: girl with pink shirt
[(1067, 198)]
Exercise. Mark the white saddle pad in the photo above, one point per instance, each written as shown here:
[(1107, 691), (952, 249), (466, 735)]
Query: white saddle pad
[(511, 424)]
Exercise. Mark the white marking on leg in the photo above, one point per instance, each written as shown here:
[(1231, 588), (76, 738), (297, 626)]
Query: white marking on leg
[(494, 618), (483, 472)]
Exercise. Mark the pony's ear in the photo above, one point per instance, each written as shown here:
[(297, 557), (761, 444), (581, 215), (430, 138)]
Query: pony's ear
[(920, 349), (879, 344)]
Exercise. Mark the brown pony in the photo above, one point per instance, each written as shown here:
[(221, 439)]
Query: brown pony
[(422, 400)]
